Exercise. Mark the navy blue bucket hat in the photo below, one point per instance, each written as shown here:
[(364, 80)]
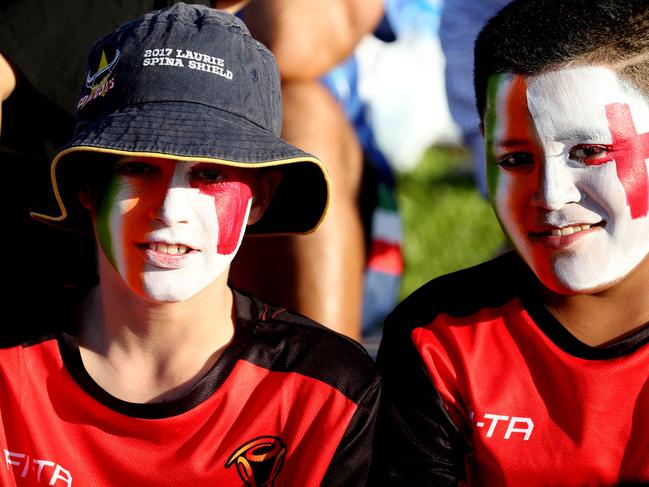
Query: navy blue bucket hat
[(188, 83)]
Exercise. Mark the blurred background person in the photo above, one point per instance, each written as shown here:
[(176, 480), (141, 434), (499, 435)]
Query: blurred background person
[(320, 275), (462, 21)]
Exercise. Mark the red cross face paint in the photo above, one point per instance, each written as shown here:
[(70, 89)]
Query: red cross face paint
[(567, 154), (171, 228)]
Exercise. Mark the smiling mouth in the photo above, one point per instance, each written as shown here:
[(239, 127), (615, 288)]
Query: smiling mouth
[(568, 230), (166, 248), (166, 255), (171, 249), (561, 232)]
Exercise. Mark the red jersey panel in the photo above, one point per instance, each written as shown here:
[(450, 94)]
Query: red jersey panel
[(262, 416), (511, 397)]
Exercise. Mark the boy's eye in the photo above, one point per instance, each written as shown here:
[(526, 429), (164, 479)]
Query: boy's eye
[(208, 174), (135, 168), (590, 154), (516, 161)]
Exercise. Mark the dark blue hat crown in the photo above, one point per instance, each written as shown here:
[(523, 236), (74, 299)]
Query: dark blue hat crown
[(190, 82)]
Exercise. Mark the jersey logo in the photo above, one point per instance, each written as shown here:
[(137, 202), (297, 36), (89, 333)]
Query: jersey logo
[(508, 427), (35, 469), (259, 460)]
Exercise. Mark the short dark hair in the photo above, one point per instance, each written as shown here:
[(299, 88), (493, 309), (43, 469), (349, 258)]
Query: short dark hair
[(531, 36)]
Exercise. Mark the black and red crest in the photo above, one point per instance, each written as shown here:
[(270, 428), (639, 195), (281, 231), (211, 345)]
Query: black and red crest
[(259, 460)]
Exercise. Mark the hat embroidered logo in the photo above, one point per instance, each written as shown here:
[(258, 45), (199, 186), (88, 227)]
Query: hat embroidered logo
[(106, 83)]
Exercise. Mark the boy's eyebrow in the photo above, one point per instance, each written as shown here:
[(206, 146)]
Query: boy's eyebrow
[(509, 143), (587, 133)]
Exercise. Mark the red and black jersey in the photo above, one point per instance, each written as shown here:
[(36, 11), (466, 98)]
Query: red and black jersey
[(483, 386), (287, 403)]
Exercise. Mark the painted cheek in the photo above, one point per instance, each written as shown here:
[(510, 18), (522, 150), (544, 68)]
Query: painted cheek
[(508, 113), (133, 264), (126, 216), (231, 205), (106, 203), (629, 151)]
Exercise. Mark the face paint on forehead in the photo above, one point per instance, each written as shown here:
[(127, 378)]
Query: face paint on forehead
[(604, 120)]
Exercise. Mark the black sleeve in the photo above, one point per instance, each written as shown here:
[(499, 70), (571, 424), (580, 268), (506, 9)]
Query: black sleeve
[(351, 462), (417, 443)]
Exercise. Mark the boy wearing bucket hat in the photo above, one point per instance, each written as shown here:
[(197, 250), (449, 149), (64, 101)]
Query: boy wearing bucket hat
[(533, 369), (171, 377)]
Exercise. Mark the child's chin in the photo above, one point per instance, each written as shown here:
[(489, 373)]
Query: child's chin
[(572, 285), (173, 293)]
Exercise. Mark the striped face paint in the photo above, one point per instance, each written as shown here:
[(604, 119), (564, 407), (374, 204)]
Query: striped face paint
[(171, 228), (567, 154)]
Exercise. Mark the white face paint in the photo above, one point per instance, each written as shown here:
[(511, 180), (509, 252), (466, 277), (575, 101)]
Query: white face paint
[(171, 228), (567, 153)]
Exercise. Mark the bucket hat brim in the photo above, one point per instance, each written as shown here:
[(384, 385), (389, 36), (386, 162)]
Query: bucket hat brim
[(186, 131)]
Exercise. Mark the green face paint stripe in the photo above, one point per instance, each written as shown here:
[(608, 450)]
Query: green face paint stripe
[(103, 219), (493, 172)]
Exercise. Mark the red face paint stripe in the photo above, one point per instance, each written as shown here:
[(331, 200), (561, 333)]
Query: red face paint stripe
[(629, 151), (231, 203)]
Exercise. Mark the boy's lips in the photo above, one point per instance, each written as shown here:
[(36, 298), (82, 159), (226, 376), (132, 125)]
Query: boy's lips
[(562, 231), (559, 237), (167, 255), (172, 249)]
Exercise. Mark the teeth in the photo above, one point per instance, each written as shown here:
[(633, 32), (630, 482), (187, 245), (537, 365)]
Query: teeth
[(560, 232), (172, 249)]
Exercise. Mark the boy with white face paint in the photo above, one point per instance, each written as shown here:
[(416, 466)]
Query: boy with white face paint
[(533, 369), (169, 376)]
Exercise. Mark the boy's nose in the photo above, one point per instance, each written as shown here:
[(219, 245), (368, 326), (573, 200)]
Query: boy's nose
[(174, 207), (555, 186)]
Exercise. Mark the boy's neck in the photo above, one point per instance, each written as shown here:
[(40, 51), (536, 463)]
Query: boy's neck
[(608, 316), (141, 351)]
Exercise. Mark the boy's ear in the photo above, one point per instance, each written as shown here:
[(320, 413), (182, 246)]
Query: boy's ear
[(262, 194), (85, 198)]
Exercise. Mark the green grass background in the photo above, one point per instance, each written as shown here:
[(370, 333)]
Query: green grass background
[(448, 225)]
